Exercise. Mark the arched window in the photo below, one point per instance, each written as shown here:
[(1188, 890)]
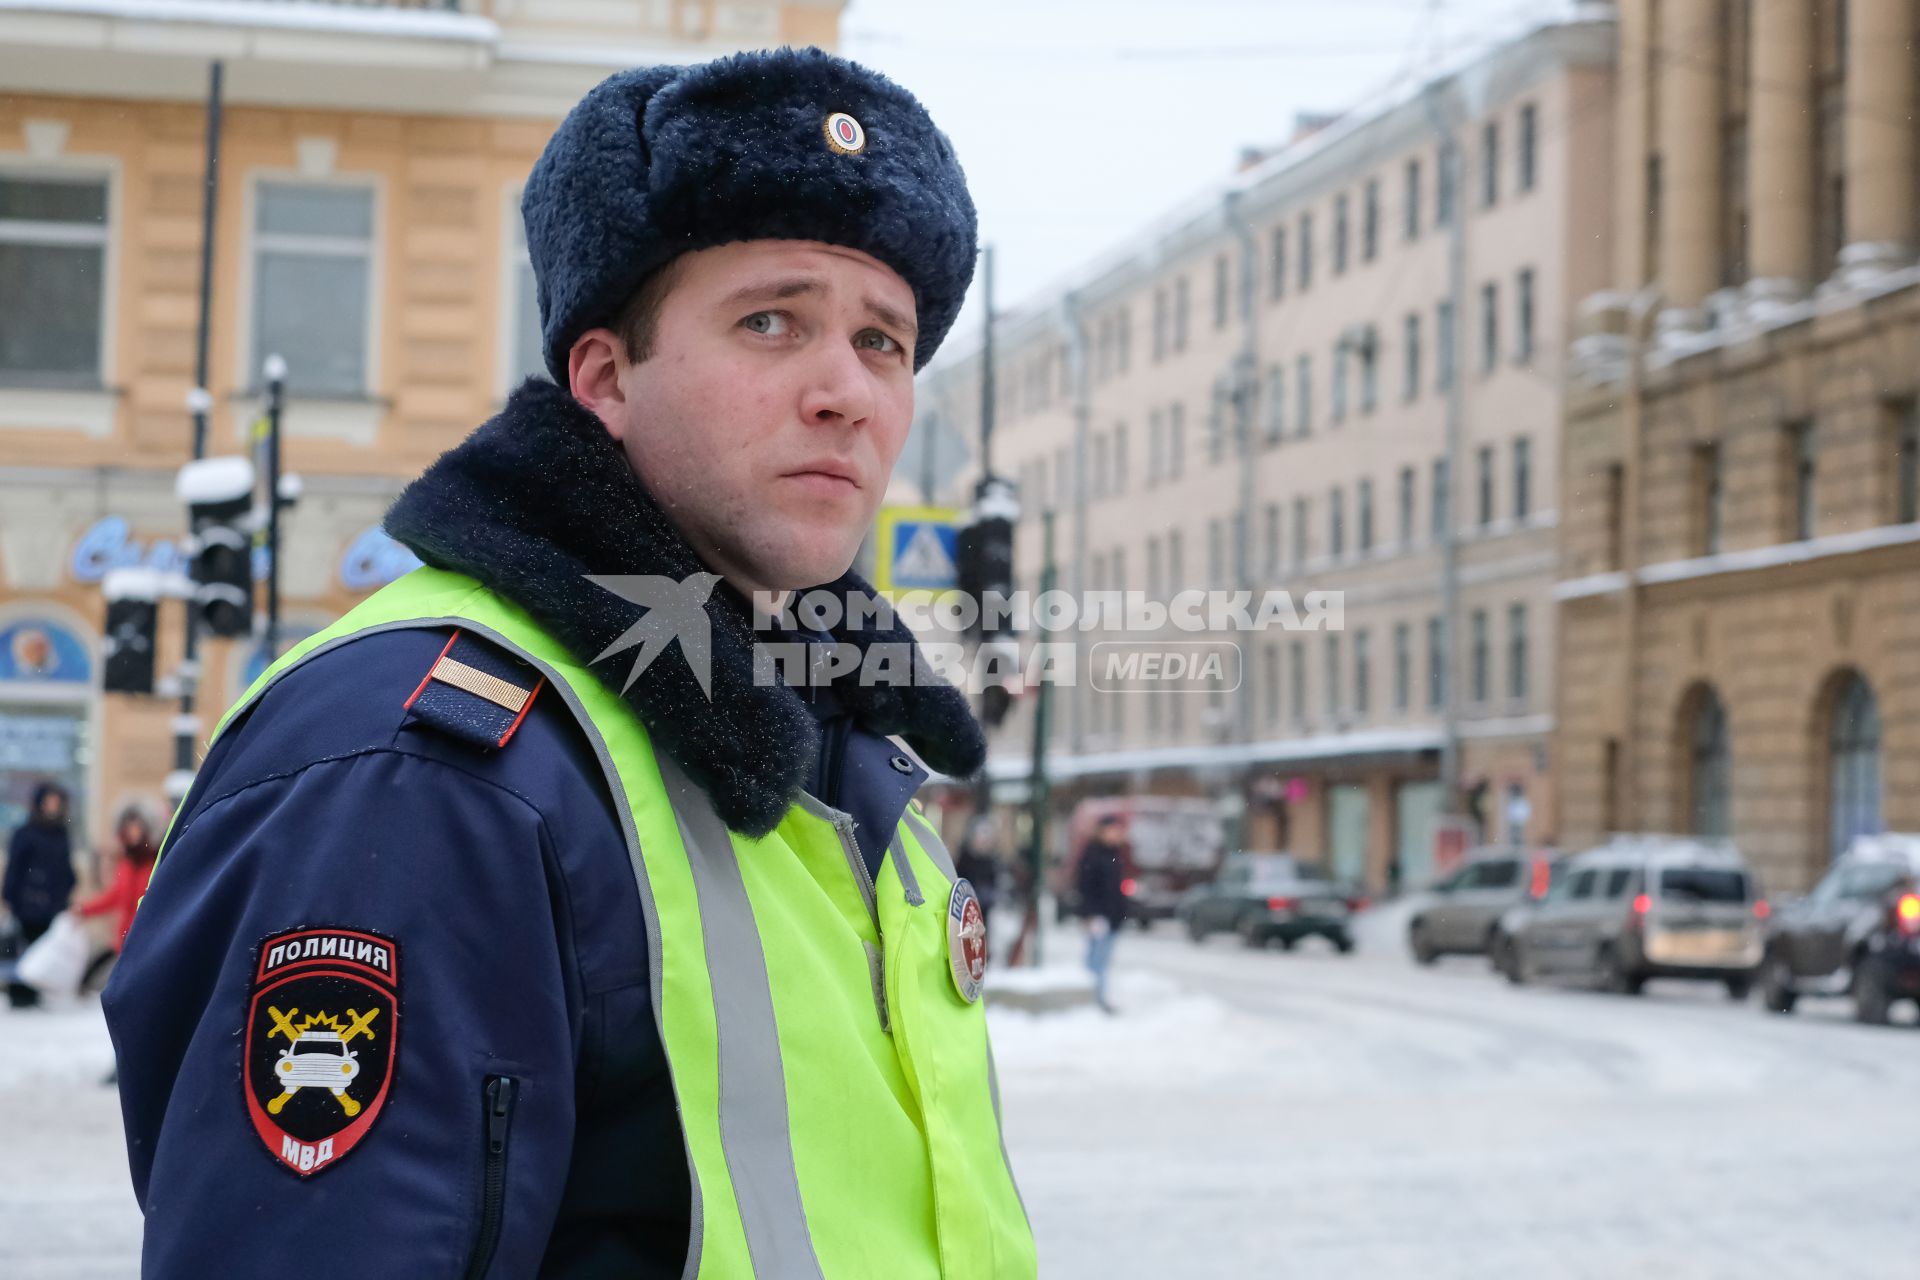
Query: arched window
[(1853, 792), (1704, 734)]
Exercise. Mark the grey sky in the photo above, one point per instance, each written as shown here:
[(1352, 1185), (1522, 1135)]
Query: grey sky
[(1080, 121)]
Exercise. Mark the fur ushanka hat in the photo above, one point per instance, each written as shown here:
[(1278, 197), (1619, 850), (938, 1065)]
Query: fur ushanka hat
[(788, 144)]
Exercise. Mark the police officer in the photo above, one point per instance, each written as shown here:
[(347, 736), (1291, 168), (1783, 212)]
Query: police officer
[(521, 922)]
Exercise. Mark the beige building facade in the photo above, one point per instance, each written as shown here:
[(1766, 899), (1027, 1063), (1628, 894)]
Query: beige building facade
[(1254, 396), (368, 231), (1740, 603)]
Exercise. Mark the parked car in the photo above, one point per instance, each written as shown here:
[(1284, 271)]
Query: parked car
[(1857, 933), (1460, 914), (1643, 907), (1267, 897)]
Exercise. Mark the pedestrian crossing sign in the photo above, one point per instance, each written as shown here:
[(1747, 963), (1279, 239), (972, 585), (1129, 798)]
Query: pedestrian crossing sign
[(917, 550)]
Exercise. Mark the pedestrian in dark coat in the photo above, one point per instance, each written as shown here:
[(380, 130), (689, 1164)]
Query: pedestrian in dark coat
[(1099, 882), (39, 876)]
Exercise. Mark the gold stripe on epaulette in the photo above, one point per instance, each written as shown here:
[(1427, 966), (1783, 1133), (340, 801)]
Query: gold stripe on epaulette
[(477, 682)]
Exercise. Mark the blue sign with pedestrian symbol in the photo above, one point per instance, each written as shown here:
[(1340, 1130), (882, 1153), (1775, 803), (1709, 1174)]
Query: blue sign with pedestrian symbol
[(918, 549)]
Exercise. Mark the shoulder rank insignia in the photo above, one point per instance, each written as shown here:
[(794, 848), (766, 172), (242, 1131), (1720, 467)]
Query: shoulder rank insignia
[(322, 1022), (476, 691)]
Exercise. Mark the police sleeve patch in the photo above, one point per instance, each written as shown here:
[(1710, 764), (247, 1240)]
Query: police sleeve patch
[(323, 1021)]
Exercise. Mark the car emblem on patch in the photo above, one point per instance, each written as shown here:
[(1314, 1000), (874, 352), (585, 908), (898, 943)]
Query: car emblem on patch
[(323, 1022), (966, 941), (845, 135)]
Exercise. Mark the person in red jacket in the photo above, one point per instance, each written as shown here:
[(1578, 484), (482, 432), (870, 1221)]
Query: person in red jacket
[(129, 882)]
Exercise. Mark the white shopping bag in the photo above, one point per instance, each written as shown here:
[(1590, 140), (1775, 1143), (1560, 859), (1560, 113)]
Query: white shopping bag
[(56, 963)]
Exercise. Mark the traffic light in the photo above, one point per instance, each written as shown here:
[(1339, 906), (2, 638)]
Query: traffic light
[(219, 497), (133, 611), (985, 559)]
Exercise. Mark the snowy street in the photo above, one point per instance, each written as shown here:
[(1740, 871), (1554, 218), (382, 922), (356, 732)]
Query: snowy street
[(1302, 1114)]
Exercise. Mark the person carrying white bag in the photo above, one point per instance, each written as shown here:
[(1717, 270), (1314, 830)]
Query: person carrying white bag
[(55, 964)]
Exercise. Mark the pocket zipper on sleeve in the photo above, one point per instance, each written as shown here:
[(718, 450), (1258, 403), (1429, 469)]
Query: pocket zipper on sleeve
[(500, 1094)]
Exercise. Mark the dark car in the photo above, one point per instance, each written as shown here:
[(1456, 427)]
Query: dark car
[(1857, 933), (1268, 897), (1460, 914)]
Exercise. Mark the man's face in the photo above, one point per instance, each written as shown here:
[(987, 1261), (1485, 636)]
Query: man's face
[(768, 417)]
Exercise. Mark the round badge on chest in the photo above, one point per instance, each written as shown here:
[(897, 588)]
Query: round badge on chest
[(966, 941)]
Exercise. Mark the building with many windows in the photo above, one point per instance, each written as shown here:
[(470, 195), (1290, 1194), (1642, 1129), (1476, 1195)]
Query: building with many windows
[(1740, 603), (367, 231), (1254, 395)]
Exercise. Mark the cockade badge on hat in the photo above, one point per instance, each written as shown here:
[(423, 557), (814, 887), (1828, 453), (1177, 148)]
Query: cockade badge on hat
[(845, 135)]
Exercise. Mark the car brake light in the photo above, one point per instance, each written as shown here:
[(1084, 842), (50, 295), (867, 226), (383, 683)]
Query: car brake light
[(1907, 911), (1127, 886), (1642, 903), (1358, 904), (1280, 904), (1762, 909), (1542, 878)]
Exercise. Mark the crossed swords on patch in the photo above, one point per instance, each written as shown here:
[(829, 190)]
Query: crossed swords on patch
[(358, 1024)]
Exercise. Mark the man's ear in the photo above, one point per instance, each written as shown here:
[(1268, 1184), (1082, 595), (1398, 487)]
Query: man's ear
[(594, 365)]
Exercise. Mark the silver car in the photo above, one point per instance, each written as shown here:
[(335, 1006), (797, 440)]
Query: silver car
[(1460, 915), (1645, 907)]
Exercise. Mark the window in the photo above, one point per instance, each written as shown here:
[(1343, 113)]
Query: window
[(1370, 222), (1617, 881), (1410, 381), (1407, 483), (1339, 234), (1517, 652), (53, 274), (1124, 352), (1489, 327), (1159, 323), (1098, 481), (1445, 165), (1176, 562), (1853, 800), (1306, 251), (1616, 514), (1154, 583), (1272, 560), (1364, 500), (1440, 503), (1301, 519), (1402, 666), (1530, 138), (1484, 459), (1156, 448), (1831, 92), (1270, 681), (1412, 200), (1443, 337), (1906, 464), (1523, 304), (1707, 490), (1276, 403), (1800, 478), (1303, 395), (1583, 885), (1522, 478), (1708, 799), (313, 285), (1180, 309), (1338, 407), (1176, 439), (1237, 550), (1297, 680), (1216, 557), (1336, 524), (1369, 369), (1217, 409), (1220, 291), (1477, 656), (1333, 676), (1489, 164), (1361, 672), (1120, 457), (1436, 665), (1277, 265)]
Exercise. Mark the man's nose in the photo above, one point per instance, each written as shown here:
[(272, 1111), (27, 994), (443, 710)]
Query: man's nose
[(840, 390)]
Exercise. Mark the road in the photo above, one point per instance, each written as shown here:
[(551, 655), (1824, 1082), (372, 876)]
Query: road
[(1301, 1114), (1310, 1114)]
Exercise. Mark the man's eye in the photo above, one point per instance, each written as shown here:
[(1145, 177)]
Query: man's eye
[(767, 322), (885, 343)]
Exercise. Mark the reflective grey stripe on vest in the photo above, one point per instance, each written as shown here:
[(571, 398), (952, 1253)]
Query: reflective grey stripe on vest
[(930, 840), (753, 1086)]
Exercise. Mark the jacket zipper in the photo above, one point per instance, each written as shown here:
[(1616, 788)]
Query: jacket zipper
[(844, 826), (500, 1094)]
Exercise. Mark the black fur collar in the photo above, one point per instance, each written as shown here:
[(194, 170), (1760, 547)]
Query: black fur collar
[(540, 496)]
